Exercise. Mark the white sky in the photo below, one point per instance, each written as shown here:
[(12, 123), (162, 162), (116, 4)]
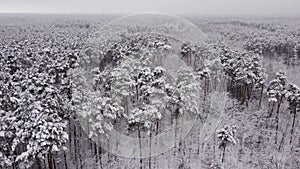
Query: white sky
[(196, 7)]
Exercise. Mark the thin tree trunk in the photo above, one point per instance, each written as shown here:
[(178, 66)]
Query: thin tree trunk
[(140, 145), (293, 124), (223, 156), (246, 95), (108, 154), (54, 164), (250, 89), (65, 158), (180, 137), (45, 162), (204, 89), (95, 152), (75, 145), (50, 160), (150, 142), (272, 107), (157, 125), (261, 94), (156, 129), (277, 118), (198, 149), (99, 154), (241, 94), (214, 146), (70, 135), (176, 123), (137, 91)]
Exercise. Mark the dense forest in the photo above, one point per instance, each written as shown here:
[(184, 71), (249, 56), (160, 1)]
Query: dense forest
[(63, 95)]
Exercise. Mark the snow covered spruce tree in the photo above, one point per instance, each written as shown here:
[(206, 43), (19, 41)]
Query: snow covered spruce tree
[(187, 87), (276, 92), (226, 135), (293, 98), (186, 52)]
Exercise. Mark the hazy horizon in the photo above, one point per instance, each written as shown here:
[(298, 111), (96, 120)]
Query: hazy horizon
[(247, 8)]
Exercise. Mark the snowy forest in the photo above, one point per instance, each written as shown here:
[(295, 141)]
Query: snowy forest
[(68, 99)]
